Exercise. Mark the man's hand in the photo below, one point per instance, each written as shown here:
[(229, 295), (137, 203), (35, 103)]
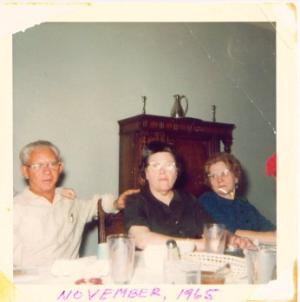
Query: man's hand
[(68, 193), (120, 202)]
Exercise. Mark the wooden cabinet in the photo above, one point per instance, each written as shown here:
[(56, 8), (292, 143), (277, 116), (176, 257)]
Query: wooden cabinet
[(195, 140)]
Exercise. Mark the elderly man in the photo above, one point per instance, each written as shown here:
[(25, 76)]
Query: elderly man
[(48, 225)]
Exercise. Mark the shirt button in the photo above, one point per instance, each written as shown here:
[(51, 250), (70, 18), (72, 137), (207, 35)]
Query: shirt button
[(176, 222)]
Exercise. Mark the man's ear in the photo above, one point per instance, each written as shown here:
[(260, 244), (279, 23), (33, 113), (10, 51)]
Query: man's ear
[(61, 168), (24, 171)]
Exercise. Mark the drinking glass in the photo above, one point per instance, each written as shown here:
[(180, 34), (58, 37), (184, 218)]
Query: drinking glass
[(121, 253), (261, 265), (214, 237)]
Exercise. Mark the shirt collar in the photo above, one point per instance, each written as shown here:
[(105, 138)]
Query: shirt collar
[(176, 203), (32, 196)]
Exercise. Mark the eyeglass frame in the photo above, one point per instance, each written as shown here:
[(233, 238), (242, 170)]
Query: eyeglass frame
[(52, 165), (224, 173), (157, 166)]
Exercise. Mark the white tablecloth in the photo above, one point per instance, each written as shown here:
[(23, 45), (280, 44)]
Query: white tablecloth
[(70, 271)]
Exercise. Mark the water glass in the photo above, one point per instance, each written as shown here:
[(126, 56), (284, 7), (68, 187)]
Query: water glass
[(121, 253), (261, 265), (215, 236)]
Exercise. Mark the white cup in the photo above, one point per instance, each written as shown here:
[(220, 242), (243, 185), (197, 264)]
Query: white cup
[(102, 255), (102, 251)]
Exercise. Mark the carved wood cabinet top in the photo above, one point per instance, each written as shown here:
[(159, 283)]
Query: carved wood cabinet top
[(186, 124)]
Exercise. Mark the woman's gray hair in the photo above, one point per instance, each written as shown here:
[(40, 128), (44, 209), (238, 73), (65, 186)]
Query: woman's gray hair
[(26, 150)]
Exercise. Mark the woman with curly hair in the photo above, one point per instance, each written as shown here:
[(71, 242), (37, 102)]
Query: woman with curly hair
[(223, 173)]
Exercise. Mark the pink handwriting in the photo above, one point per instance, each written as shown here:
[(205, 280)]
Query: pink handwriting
[(196, 294), (108, 293)]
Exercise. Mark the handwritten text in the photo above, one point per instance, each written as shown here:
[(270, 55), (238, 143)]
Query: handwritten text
[(108, 293), (153, 293)]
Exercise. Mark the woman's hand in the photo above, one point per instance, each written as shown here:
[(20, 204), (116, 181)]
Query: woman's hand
[(68, 193), (199, 243), (263, 236), (241, 242), (120, 202)]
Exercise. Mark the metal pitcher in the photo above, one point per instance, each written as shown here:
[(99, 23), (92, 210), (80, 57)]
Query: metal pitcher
[(177, 110)]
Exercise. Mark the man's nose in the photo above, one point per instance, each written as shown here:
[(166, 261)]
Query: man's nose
[(46, 168)]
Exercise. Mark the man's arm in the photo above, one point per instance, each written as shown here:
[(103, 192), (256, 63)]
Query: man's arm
[(121, 201), (111, 205), (89, 208)]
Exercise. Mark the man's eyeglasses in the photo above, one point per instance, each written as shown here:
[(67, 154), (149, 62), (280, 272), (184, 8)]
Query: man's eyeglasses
[(52, 165), (223, 173), (168, 166)]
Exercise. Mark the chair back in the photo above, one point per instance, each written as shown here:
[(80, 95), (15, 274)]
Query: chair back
[(109, 224), (101, 223)]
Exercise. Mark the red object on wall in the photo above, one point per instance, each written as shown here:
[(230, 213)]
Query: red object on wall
[(270, 167)]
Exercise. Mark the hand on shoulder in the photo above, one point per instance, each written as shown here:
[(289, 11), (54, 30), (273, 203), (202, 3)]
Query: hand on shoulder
[(121, 201), (68, 193)]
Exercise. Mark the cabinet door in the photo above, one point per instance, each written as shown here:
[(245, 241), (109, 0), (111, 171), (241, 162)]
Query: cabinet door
[(193, 153), (127, 162)]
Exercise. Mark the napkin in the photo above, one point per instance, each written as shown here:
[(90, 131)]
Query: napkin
[(85, 267)]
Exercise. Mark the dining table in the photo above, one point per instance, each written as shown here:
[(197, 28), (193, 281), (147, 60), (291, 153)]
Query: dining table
[(91, 269)]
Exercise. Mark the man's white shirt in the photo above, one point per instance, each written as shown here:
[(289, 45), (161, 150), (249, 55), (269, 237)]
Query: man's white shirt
[(44, 231)]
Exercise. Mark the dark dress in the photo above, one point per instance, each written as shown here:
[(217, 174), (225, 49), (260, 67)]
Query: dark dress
[(237, 214), (184, 217)]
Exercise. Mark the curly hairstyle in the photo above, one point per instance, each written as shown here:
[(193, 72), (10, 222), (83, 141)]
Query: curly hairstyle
[(228, 159)]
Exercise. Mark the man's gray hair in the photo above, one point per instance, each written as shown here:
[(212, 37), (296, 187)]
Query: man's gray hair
[(26, 150)]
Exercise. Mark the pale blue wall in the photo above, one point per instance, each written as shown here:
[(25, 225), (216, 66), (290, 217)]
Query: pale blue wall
[(72, 82)]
